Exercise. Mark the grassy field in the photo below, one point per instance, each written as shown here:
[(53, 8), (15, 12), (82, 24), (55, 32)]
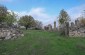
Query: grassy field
[(36, 42)]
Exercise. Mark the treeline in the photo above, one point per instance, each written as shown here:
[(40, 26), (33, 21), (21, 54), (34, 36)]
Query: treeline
[(10, 18)]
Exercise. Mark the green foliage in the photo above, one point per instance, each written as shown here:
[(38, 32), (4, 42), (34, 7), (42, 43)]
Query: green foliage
[(3, 13), (82, 21), (10, 19), (38, 24), (63, 17), (27, 21)]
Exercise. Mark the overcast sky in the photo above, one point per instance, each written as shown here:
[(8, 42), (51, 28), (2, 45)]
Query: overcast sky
[(46, 11)]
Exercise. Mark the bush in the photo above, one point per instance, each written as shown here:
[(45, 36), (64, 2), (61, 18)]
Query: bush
[(37, 29)]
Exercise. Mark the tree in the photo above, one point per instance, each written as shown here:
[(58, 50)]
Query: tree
[(82, 19), (63, 21), (10, 19), (38, 24), (63, 17), (26, 21), (3, 13)]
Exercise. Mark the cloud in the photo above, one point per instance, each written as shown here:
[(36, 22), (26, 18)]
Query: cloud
[(76, 12), (38, 14)]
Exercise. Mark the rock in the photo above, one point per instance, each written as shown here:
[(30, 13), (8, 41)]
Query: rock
[(50, 27), (67, 29), (6, 33), (54, 25), (76, 29), (22, 34)]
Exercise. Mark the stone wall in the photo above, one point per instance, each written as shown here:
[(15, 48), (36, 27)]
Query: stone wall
[(10, 33), (76, 30), (48, 27), (77, 33)]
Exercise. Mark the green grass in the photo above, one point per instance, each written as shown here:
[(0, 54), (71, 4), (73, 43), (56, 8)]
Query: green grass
[(36, 42)]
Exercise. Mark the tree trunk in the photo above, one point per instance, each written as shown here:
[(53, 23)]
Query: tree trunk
[(67, 29), (26, 27)]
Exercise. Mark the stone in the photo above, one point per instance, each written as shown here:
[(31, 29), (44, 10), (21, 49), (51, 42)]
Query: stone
[(54, 25), (77, 30), (50, 27), (46, 28), (77, 23), (72, 26), (22, 34), (8, 36), (67, 29), (62, 29), (6, 33)]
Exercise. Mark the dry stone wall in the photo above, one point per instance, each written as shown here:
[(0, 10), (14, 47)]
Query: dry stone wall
[(76, 30), (77, 33), (6, 33)]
